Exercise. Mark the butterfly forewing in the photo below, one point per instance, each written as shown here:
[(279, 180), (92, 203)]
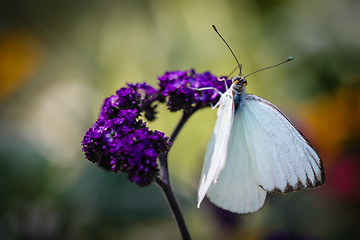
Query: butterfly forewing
[(216, 153)]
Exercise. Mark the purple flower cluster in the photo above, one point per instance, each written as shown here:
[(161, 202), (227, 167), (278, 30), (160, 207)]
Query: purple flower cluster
[(178, 87), (120, 141), (125, 144)]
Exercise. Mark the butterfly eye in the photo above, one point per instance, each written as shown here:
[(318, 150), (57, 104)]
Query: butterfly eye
[(236, 80), (245, 83)]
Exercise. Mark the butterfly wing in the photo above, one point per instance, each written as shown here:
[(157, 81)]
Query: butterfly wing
[(282, 159), (216, 153), (237, 189)]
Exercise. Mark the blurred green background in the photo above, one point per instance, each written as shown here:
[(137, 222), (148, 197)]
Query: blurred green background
[(60, 59)]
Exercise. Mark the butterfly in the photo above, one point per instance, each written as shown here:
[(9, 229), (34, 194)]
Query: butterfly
[(255, 149)]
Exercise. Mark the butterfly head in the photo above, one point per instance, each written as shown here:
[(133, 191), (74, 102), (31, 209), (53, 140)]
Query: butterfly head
[(239, 81)]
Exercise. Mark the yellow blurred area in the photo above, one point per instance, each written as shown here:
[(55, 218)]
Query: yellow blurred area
[(334, 118), (20, 57)]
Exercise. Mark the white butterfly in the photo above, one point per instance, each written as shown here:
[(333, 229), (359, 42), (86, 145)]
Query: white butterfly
[(255, 149)]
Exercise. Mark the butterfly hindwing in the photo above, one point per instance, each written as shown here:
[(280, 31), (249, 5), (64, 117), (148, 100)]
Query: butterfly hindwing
[(282, 159)]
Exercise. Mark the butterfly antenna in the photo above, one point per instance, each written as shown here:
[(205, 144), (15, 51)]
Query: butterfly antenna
[(287, 60), (238, 64), (232, 71)]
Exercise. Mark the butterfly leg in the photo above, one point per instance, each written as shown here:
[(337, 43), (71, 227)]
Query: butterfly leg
[(215, 106), (224, 79), (208, 88)]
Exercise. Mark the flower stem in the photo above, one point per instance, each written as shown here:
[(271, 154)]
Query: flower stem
[(163, 158), (175, 208), (164, 181), (180, 125)]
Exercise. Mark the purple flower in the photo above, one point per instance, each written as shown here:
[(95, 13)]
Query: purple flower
[(120, 141), (125, 144), (138, 96), (177, 86)]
